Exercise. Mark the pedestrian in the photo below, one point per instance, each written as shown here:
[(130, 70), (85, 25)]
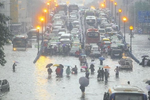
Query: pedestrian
[(102, 71), (75, 70), (99, 74), (101, 60), (58, 71), (106, 51), (49, 70), (82, 90), (117, 71), (14, 67), (61, 71), (87, 73), (92, 68), (143, 61), (68, 71), (106, 75)]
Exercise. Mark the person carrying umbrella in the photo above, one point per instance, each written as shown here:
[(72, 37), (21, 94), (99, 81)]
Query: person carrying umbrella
[(49, 70), (14, 65), (82, 90), (83, 83), (101, 60), (106, 75)]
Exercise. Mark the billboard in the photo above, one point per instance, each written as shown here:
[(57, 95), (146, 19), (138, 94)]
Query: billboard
[(143, 16)]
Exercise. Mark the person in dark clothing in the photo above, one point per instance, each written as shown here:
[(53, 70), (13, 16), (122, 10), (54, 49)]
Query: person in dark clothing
[(143, 61), (92, 68), (99, 74), (74, 70), (102, 71), (82, 89), (87, 74), (14, 65), (49, 70), (106, 75)]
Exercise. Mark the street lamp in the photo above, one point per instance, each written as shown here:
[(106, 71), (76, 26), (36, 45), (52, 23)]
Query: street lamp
[(45, 11), (115, 10), (112, 6), (48, 7), (124, 20), (38, 28), (131, 28), (42, 20), (102, 5), (119, 16)]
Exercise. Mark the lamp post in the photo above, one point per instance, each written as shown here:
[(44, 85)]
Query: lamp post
[(112, 6), (38, 28), (42, 20), (131, 28), (45, 11), (119, 16), (124, 20), (115, 10), (48, 7)]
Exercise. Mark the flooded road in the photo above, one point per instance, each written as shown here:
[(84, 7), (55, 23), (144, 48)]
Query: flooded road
[(30, 81)]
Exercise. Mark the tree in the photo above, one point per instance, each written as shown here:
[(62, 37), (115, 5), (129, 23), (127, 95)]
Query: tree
[(4, 36)]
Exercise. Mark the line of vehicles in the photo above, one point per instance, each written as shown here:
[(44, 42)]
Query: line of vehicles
[(65, 36)]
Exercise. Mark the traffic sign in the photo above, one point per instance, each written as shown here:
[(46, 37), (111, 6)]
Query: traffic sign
[(144, 16)]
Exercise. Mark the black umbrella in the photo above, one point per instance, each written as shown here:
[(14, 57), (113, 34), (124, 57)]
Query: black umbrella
[(49, 65), (145, 56), (148, 82)]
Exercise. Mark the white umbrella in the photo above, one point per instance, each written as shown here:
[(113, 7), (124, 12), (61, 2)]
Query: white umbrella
[(148, 87)]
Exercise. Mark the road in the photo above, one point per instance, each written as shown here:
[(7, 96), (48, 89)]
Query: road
[(30, 81)]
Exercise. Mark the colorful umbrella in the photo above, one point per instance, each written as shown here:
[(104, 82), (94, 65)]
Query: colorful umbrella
[(84, 67), (56, 65), (106, 67), (101, 58), (84, 81)]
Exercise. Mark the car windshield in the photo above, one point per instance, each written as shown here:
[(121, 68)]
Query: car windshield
[(128, 97)]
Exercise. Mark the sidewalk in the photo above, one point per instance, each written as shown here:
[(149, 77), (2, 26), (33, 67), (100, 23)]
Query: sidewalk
[(140, 45)]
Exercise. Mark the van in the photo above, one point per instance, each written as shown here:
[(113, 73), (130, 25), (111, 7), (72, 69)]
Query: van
[(125, 92)]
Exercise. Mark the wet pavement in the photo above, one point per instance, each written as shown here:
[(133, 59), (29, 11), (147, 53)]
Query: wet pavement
[(30, 81)]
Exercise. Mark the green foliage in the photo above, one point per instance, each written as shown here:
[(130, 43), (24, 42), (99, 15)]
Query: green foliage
[(4, 36)]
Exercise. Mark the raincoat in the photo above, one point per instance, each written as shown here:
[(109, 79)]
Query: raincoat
[(68, 71)]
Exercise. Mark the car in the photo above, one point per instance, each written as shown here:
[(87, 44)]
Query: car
[(102, 31), (95, 52), (4, 86), (76, 24)]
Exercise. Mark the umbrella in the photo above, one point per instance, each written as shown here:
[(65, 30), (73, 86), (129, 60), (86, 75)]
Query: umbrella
[(56, 65), (101, 66), (101, 58), (82, 54), (106, 67), (84, 81), (84, 67), (148, 81), (49, 65), (148, 87), (145, 56)]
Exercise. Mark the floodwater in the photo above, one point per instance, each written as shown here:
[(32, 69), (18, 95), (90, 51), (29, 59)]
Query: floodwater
[(31, 82)]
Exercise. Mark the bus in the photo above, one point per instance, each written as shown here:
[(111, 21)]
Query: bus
[(125, 92), (32, 34), (92, 36), (19, 42), (62, 7), (73, 7)]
